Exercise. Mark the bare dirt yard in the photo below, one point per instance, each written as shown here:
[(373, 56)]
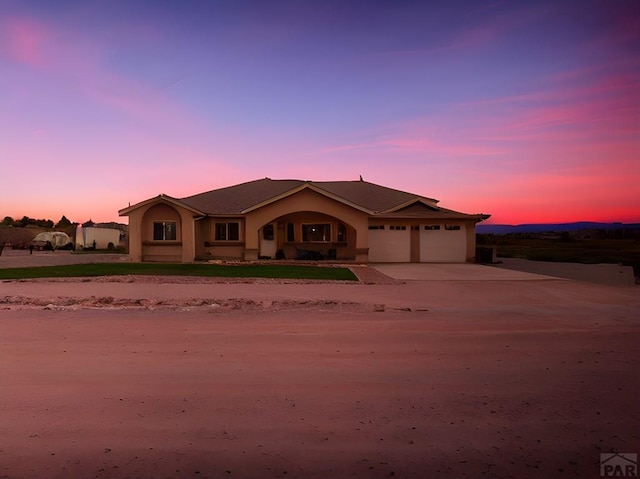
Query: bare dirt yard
[(144, 378)]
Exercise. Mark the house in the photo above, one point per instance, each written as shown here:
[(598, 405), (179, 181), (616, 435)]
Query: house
[(294, 219)]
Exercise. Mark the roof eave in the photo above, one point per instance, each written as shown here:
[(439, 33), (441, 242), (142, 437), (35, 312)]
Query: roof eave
[(441, 214), (160, 198)]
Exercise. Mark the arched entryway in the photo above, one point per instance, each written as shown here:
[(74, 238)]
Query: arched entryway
[(307, 235)]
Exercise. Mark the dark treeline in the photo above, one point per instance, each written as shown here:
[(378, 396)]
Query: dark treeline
[(42, 223)]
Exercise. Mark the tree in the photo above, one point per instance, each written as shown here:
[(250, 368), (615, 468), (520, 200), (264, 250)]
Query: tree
[(7, 221), (88, 224), (63, 223), (24, 221)]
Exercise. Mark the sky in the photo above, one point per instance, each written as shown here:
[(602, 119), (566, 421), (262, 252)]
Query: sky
[(525, 110)]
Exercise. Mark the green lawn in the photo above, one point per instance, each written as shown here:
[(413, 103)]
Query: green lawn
[(207, 270)]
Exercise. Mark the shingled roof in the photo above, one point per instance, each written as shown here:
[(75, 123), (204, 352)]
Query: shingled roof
[(233, 200), (375, 199)]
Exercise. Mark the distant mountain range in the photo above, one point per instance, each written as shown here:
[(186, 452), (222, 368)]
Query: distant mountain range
[(543, 227)]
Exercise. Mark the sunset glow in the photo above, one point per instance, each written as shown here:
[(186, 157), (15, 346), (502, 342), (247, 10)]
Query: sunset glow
[(527, 111)]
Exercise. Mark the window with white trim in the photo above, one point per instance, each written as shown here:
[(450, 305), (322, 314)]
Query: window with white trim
[(452, 227), (228, 231), (165, 230), (316, 233)]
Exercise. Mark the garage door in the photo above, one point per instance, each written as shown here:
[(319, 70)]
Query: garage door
[(443, 243), (387, 245)]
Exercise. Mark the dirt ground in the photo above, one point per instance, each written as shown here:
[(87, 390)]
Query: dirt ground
[(146, 378)]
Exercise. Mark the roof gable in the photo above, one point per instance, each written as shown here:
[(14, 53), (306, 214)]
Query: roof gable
[(235, 199), (162, 198), (374, 198), (310, 186), (414, 206)]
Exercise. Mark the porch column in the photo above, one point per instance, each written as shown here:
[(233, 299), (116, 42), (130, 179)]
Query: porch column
[(135, 235), (188, 237), (362, 240)]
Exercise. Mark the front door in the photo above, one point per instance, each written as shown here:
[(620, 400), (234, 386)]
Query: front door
[(268, 243)]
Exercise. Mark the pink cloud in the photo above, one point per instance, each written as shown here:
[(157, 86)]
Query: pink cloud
[(418, 142), (602, 113), (562, 153), (606, 109), (82, 63), (26, 41)]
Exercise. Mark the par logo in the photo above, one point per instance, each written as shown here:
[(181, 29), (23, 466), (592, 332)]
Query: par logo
[(623, 464)]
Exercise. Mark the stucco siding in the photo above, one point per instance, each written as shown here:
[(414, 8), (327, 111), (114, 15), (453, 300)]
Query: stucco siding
[(233, 252), (305, 200), (142, 245), (308, 206), (162, 253)]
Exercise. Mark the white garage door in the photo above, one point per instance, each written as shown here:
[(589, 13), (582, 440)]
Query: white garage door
[(443, 243), (390, 245)]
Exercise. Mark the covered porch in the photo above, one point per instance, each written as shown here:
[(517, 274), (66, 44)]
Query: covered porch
[(307, 235)]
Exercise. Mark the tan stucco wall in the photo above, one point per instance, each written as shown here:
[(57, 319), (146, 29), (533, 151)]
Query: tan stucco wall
[(304, 201), (230, 252), (208, 248), (344, 250), (141, 233)]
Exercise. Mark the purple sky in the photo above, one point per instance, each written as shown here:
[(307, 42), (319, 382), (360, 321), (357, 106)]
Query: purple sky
[(529, 111)]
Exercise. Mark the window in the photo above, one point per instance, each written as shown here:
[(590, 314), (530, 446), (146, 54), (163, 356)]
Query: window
[(399, 228), (291, 236), (452, 227), (267, 232), (380, 227), (431, 227), (227, 231), (164, 230), (315, 233)]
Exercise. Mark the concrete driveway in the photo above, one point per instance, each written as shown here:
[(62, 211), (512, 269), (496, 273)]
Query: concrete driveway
[(511, 269), (454, 272)]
